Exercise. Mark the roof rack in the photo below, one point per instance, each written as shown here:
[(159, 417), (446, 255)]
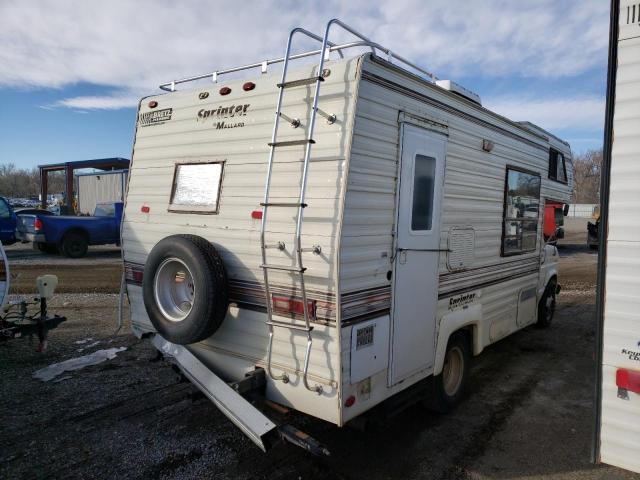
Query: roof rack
[(331, 47)]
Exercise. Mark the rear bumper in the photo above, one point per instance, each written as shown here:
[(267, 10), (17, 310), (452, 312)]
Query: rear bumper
[(31, 237), (262, 431)]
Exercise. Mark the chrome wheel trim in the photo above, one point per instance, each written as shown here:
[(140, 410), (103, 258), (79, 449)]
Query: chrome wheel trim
[(174, 289), (453, 371)]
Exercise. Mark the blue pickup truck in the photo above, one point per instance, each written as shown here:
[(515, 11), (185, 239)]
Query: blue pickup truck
[(7, 223), (72, 235)]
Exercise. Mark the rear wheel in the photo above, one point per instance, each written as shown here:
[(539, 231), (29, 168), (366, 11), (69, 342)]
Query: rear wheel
[(75, 245), (449, 387)]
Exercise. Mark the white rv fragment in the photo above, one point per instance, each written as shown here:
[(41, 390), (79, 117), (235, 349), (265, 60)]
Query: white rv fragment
[(385, 229), (617, 439)]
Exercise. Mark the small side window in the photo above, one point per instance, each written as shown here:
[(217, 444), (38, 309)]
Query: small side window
[(196, 187), (423, 183), (4, 209), (521, 212), (557, 168)]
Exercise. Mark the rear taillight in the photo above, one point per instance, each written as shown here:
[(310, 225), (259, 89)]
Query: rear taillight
[(133, 273), (292, 306), (37, 224)]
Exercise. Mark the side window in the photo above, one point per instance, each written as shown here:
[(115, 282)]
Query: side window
[(557, 168), (423, 185), (196, 187), (521, 212), (4, 209)]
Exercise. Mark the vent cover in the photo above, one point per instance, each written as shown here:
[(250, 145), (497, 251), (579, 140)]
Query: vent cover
[(364, 337), (462, 243), (459, 89)]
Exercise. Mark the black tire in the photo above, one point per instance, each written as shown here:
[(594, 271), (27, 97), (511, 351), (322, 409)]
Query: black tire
[(442, 397), (547, 305), (208, 289), (47, 247), (74, 245)]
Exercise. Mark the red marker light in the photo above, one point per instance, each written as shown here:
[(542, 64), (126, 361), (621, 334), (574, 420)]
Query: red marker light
[(225, 91), (628, 380), (248, 86), (256, 214), (153, 104), (350, 401), (145, 209)]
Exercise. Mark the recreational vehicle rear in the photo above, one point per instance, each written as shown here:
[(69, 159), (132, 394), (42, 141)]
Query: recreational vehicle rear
[(617, 440), (375, 234)]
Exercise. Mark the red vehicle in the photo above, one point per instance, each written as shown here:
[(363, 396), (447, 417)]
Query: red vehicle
[(553, 221)]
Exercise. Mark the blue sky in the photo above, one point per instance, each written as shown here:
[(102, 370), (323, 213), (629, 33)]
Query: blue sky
[(71, 71)]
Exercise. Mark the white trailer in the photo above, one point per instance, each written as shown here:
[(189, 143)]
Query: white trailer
[(100, 187), (381, 232), (617, 439)]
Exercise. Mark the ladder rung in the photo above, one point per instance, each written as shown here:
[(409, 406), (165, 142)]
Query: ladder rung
[(291, 143), (284, 267), (302, 81), (289, 325), (284, 204)]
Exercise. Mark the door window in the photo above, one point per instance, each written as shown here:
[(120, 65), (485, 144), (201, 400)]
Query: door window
[(4, 209), (423, 187)]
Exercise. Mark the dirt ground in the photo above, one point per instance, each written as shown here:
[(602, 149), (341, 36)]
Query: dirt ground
[(529, 413)]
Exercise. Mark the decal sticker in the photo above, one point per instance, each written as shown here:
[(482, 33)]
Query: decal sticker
[(157, 117), (633, 355), (463, 300), (220, 115)]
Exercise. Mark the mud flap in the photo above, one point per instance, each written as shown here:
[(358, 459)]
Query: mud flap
[(253, 423)]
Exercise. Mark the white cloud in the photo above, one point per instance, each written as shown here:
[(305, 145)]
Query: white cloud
[(580, 113), (134, 46), (106, 102)]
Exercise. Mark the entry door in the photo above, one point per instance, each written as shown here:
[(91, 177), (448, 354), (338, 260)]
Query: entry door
[(415, 290)]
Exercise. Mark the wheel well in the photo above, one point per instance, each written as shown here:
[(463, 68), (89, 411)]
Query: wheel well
[(469, 332), (77, 230)]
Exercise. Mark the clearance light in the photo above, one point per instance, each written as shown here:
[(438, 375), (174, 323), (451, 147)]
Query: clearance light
[(256, 214), (289, 305), (37, 224), (153, 104), (248, 86), (628, 380), (351, 399), (225, 91), (145, 209)]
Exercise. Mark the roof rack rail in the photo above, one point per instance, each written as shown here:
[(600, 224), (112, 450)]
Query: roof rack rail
[(362, 42)]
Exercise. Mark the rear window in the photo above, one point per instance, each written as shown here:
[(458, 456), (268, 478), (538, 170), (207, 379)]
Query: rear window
[(196, 187), (104, 210)]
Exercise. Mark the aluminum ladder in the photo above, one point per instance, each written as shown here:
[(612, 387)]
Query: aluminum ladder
[(298, 269)]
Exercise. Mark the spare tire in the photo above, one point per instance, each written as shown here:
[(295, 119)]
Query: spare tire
[(185, 289)]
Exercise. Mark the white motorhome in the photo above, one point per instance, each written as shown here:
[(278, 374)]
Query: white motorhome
[(617, 439), (379, 233)]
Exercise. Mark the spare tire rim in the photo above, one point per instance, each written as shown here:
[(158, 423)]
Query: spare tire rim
[(174, 289), (452, 371)]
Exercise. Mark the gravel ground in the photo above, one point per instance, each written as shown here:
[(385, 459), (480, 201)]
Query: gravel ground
[(528, 413)]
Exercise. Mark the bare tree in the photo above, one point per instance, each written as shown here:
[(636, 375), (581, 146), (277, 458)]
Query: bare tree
[(21, 182), (586, 177)]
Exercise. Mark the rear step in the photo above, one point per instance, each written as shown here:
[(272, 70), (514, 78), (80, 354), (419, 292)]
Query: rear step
[(251, 421)]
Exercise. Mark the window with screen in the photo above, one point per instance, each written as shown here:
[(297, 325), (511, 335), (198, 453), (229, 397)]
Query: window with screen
[(196, 187), (423, 184), (557, 168), (521, 212)]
